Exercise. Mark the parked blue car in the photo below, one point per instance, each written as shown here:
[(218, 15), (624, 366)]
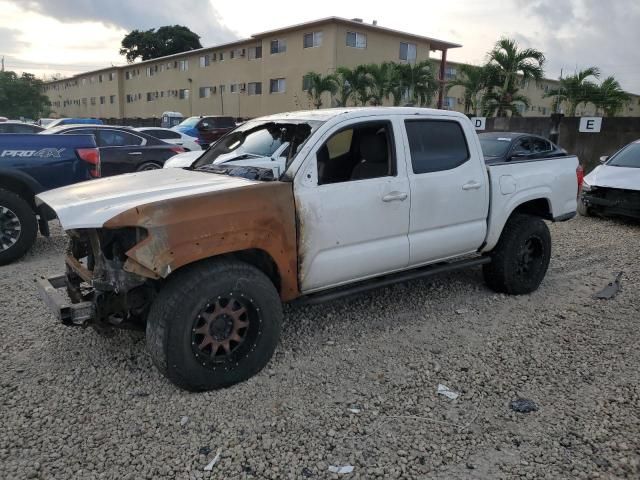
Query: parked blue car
[(30, 164)]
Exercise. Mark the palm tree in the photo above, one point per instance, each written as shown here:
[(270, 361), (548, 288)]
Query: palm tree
[(575, 90), (417, 81), (610, 97), (499, 101), (474, 80), (319, 84), (381, 79), (516, 66), (353, 84)]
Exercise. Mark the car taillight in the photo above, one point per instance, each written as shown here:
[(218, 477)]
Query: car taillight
[(580, 176), (92, 157), (177, 149)]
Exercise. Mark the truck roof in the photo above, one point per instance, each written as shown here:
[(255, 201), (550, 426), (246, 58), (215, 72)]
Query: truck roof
[(348, 112)]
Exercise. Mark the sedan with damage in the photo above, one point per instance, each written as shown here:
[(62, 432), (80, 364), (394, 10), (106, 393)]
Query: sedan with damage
[(203, 257), (613, 188)]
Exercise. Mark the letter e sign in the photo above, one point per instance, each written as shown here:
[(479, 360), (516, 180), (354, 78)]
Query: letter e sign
[(590, 124)]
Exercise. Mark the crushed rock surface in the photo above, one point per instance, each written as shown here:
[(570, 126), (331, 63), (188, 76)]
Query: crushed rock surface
[(79, 405)]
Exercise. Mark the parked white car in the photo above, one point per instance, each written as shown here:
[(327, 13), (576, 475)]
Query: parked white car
[(239, 157), (613, 188), (172, 136)]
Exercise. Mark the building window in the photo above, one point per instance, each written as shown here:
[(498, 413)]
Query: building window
[(311, 40), (184, 94), (356, 40), (450, 73), (183, 65), (278, 46), (254, 88), (221, 56), (205, 92), (233, 88), (127, 75), (232, 54), (84, 101), (277, 85), (100, 78), (102, 99), (204, 61), (149, 72), (408, 52), (306, 83), (92, 80), (93, 100), (449, 103), (112, 99), (149, 96), (111, 76), (223, 88), (255, 52), (84, 81)]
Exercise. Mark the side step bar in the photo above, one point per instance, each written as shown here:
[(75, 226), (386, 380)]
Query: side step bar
[(360, 287)]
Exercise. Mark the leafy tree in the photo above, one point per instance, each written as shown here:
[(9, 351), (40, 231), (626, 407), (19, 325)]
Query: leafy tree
[(610, 97), (319, 84), (420, 81), (575, 90), (381, 78), (21, 96), (499, 101), (515, 66), (167, 40)]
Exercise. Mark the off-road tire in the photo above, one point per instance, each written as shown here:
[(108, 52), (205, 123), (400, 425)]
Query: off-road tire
[(174, 313), (28, 226), (583, 210), (504, 274)]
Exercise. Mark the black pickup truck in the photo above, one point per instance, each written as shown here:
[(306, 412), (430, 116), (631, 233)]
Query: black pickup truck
[(31, 164)]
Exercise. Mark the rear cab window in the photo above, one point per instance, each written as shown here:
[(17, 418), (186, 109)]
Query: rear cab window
[(436, 145)]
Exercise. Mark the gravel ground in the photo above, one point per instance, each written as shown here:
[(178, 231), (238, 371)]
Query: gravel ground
[(78, 405)]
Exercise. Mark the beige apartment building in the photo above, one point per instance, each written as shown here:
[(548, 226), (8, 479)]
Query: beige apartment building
[(248, 78), (261, 75)]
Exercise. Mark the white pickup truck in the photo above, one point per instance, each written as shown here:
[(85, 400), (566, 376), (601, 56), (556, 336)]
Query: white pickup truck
[(204, 257)]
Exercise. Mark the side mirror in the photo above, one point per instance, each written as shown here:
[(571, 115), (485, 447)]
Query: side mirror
[(604, 158)]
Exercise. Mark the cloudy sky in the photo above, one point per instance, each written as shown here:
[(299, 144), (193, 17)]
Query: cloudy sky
[(70, 36)]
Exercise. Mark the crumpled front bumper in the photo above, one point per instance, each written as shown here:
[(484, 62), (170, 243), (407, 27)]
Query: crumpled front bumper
[(73, 314)]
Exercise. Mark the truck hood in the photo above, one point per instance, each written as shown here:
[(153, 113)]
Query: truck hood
[(91, 204), (614, 177)]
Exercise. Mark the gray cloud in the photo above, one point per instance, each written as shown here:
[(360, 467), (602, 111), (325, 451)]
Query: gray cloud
[(9, 40), (581, 33), (198, 15)]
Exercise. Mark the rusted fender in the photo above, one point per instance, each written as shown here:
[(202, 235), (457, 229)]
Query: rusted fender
[(187, 229)]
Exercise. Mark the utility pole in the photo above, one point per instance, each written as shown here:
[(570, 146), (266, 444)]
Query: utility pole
[(2, 69)]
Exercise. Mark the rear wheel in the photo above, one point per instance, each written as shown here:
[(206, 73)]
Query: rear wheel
[(148, 166), (521, 258), (18, 226), (214, 324)]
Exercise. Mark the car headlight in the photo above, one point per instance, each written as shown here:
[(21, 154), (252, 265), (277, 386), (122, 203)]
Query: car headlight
[(586, 187)]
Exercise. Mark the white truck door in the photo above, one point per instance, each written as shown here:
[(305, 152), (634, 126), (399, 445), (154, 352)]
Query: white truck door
[(352, 200), (449, 189)]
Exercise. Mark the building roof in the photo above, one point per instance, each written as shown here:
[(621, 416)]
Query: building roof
[(433, 43)]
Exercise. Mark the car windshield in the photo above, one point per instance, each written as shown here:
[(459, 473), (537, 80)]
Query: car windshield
[(629, 157), (189, 122), (259, 139), (494, 147)]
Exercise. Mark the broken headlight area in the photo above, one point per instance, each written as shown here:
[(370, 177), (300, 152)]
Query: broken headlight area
[(613, 201), (95, 272)]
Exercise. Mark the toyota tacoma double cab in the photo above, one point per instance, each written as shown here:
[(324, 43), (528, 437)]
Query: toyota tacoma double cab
[(204, 257)]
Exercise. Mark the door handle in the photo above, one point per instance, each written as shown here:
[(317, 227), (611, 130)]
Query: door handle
[(471, 186), (135, 153), (390, 197)]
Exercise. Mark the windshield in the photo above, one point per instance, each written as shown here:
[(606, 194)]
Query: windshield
[(189, 122), (494, 147), (259, 139), (629, 157)]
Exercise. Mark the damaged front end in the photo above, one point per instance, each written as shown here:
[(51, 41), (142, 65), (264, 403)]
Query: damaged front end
[(104, 287), (612, 201)]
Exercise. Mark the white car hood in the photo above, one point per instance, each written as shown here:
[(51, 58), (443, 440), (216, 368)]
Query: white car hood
[(614, 177), (183, 159), (91, 204)]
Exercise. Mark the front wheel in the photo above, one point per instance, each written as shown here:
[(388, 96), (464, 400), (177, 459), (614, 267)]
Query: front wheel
[(521, 258), (214, 324), (18, 227)]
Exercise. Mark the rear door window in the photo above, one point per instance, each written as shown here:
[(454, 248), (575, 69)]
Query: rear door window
[(436, 145), (163, 134), (222, 122), (117, 138)]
